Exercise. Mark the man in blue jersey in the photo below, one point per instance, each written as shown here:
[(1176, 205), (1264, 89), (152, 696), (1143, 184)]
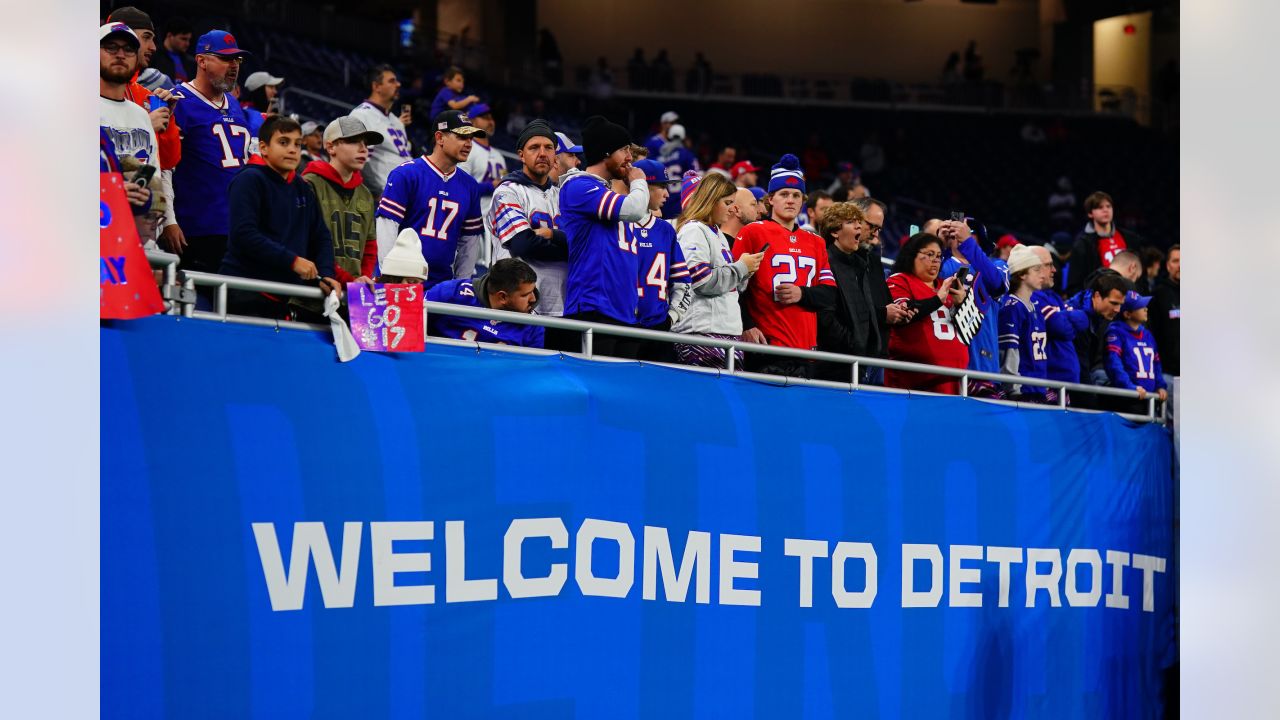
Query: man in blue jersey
[(436, 199), (603, 262), (678, 160), (663, 283), (215, 145), (509, 285), (1062, 321), (658, 139)]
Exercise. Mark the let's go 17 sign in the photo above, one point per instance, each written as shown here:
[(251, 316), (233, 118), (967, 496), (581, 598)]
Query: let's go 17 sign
[(387, 318)]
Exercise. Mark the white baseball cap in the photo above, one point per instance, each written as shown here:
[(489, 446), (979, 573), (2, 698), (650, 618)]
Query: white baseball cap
[(119, 28), (675, 132), (260, 78), (670, 116)]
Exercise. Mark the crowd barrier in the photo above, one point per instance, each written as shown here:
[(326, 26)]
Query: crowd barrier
[(221, 284), (467, 532)]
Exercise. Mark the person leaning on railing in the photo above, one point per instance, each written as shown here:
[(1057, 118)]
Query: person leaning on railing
[(929, 337), (717, 281), (277, 232)]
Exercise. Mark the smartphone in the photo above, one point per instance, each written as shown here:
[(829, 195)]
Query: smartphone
[(154, 103), (142, 178), (964, 276), (765, 248), (957, 216)]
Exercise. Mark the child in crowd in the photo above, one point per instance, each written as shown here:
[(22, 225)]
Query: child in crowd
[(1132, 360)]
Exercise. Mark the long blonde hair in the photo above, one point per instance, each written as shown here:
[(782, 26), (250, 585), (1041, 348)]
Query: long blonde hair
[(702, 203)]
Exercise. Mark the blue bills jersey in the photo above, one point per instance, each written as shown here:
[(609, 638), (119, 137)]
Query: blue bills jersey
[(216, 143), (677, 160), (1132, 360), (1062, 321), (661, 265), (603, 261), (1022, 328), (462, 292), (440, 208)]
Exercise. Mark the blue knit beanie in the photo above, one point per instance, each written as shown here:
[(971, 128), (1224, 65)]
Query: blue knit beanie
[(786, 174)]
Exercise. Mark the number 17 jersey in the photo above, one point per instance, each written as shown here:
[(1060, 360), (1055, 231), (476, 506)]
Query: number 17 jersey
[(440, 207), (215, 145)]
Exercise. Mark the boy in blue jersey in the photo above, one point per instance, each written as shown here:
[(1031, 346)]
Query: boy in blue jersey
[(215, 145), (434, 198), (1132, 359), (990, 278), (603, 263), (509, 285), (664, 280), (277, 231), (1023, 338)]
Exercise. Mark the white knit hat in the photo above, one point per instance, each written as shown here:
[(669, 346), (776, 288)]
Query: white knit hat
[(405, 258), (1022, 258)]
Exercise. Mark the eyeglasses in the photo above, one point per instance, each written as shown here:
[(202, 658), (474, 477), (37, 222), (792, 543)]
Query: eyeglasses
[(930, 256), (875, 229), (118, 49), (233, 60)]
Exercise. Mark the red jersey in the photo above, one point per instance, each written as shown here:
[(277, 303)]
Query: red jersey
[(929, 339), (1109, 246), (795, 256)]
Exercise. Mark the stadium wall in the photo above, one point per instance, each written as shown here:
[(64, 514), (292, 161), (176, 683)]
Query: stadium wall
[(473, 533), (863, 38)]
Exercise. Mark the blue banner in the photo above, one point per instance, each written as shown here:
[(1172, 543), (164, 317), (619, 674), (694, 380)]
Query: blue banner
[(464, 533)]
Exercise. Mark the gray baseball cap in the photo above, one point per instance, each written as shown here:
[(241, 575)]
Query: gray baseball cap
[(349, 128)]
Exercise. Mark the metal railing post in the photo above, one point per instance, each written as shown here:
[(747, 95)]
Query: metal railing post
[(964, 386), (221, 303), (1151, 406), (189, 308), (857, 368), (1062, 398), (587, 342), (731, 358)]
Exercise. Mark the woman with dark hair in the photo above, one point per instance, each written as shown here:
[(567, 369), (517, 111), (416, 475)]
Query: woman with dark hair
[(929, 337)]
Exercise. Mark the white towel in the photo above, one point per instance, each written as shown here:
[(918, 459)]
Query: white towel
[(342, 337)]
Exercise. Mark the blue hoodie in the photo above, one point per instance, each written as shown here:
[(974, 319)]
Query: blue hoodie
[(274, 220)]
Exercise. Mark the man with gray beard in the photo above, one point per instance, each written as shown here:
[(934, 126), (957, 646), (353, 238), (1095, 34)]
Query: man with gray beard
[(215, 145)]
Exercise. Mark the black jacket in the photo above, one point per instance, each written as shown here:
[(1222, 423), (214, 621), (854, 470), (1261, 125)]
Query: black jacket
[(850, 326), (1163, 320)]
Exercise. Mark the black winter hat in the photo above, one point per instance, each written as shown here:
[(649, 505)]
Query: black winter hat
[(600, 138), (536, 128)]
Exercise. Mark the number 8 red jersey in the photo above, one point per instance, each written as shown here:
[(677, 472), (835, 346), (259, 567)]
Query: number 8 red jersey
[(795, 256), (929, 339)]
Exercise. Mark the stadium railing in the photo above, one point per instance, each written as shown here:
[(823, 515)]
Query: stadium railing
[(185, 305)]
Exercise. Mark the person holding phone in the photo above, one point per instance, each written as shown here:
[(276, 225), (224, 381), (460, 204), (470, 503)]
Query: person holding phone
[(123, 123), (377, 114), (717, 280), (928, 337)]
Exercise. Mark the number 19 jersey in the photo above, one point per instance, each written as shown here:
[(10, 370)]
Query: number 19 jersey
[(440, 207), (215, 145)]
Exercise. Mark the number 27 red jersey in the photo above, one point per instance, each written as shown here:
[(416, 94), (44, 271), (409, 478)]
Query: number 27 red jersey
[(795, 256)]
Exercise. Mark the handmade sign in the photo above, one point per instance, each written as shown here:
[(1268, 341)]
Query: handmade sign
[(126, 286), (387, 318)]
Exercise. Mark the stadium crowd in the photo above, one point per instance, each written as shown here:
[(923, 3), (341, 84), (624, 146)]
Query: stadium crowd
[(610, 229)]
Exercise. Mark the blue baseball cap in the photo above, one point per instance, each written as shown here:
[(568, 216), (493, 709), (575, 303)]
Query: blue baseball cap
[(218, 42), (655, 173), (565, 145), (1134, 301), (758, 192), (478, 109)]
